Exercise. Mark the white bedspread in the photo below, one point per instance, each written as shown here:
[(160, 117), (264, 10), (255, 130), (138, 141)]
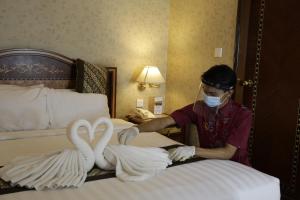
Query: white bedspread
[(207, 180), (46, 141)]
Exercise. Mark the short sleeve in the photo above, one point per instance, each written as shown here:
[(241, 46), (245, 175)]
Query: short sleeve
[(184, 116), (240, 133)]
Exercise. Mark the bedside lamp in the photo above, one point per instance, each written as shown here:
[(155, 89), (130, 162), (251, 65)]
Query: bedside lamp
[(150, 75)]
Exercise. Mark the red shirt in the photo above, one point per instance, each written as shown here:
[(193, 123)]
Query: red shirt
[(230, 125)]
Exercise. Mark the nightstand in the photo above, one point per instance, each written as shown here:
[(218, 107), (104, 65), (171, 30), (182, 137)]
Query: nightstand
[(171, 132), (137, 120)]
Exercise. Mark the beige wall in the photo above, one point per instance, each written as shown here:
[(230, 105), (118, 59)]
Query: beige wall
[(128, 34), (196, 28), (124, 33)]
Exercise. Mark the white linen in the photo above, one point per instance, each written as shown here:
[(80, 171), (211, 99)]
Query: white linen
[(207, 180), (202, 180), (67, 106), (29, 146), (131, 163), (37, 107), (23, 108), (119, 124), (134, 163), (67, 168), (126, 135)]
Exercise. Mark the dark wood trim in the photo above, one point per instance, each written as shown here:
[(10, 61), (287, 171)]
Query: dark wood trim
[(112, 96), (266, 34), (241, 43), (39, 52)]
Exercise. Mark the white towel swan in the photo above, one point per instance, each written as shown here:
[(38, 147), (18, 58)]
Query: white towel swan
[(131, 163), (67, 168)]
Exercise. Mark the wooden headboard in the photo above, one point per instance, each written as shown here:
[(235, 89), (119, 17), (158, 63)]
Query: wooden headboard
[(34, 66)]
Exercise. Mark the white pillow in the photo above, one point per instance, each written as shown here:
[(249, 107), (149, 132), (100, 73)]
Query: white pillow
[(23, 108), (66, 106)]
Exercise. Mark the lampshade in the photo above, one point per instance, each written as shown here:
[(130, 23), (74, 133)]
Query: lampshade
[(150, 74)]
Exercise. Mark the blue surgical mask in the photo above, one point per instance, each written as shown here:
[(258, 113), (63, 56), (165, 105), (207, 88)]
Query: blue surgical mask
[(211, 101)]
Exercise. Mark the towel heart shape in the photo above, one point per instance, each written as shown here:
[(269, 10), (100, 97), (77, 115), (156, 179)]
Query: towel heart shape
[(131, 163), (103, 142), (72, 131)]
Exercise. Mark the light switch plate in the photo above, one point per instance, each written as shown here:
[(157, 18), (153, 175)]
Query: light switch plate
[(140, 103), (218, 52)]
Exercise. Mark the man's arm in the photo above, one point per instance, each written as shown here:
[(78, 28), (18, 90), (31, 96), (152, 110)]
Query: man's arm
[(225, 153), (156, 124), (126, 135)]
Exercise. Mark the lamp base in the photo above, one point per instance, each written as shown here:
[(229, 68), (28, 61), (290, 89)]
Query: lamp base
[(154, 85), (142, 86)]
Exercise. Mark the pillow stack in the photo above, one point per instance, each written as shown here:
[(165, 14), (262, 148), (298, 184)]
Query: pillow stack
[(23, 108), (38, 107), (67, 106)]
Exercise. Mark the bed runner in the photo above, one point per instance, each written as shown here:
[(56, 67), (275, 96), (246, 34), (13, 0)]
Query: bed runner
[(94, 174)]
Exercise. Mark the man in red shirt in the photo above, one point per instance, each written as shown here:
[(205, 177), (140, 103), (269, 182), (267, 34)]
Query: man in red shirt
[(223, 125)]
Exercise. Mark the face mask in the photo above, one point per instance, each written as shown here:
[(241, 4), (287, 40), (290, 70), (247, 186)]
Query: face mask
[(211, 101)]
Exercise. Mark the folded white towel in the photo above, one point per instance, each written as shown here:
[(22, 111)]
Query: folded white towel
[(67, 168), (136, 163), (131, 163)]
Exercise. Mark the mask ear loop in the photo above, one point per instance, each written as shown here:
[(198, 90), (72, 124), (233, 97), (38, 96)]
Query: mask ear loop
[(197, 96), (217, 109)]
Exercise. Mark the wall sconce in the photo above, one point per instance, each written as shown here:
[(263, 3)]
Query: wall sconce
[(150, 75)]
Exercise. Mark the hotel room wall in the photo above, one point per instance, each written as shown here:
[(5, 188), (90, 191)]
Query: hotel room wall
[(196, 27), (127, 34)]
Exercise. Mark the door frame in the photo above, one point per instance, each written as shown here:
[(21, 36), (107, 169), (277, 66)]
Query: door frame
[(246, 65), (249, 35)]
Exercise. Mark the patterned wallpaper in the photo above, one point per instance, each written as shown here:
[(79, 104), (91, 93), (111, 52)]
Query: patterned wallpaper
[(124, 33), (196, 28), (128, 34)]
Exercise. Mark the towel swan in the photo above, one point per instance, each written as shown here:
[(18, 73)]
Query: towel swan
[(67, 168), (131, 163)]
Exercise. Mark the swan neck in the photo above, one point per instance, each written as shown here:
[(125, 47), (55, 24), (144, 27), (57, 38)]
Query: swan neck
[(81, 144), (103, 142)]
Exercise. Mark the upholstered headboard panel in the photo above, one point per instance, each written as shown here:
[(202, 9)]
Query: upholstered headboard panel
[(34, 66)]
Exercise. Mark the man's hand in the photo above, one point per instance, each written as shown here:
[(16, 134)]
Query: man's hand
[(181, 153), (128, 134)]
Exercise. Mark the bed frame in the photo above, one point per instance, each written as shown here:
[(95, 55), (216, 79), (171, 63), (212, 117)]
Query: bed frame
[(35, 66)]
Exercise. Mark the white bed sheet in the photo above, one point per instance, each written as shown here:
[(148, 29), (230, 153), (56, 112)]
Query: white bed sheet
[(119, 124), (28, 146), (207, 180)]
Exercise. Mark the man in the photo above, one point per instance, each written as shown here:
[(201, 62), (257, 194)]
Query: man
[(223, 125)]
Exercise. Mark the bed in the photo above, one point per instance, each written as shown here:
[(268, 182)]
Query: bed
[(195, 179)]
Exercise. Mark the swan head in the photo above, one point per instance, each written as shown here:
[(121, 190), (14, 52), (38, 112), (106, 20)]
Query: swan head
[(103, 120), (74, 126)]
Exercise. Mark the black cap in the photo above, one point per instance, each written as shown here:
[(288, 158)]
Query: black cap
[(220, 76)]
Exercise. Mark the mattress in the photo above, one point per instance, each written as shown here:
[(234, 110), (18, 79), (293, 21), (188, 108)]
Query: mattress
[(207, 179)]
